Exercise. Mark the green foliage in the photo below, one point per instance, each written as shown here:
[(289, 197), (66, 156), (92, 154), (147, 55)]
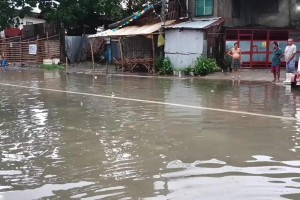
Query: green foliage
[(227, 60), (205, 66), (52, 67), (134, 5), (158, 63), (164, 66), (188, 70), (11, 11), (77, 16), (84, 16)]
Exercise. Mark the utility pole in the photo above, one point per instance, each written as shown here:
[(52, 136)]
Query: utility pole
[(164, 10)]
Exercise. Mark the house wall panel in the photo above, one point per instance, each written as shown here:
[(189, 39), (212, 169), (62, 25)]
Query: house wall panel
[(183, 47), (182, 61)]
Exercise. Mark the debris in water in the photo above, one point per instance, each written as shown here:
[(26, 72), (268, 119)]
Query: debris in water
[(212, 91), (96, 77), (81, 104)]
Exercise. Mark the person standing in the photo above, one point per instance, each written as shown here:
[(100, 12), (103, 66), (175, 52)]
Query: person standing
[(290, 59), (276, 60), (236, 55)]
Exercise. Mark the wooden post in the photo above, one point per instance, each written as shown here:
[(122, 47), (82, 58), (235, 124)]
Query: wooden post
[(20, 51), (121, 51), (48, 48), (37, 54), (66, 63), (92, 51), (26, 58), (153, 51)]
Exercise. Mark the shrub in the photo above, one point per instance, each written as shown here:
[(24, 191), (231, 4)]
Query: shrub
[(165, 66), (227, 60), (205, 66), (158, 63), (187, 70)]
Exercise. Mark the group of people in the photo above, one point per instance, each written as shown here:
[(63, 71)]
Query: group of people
[(289, 56)]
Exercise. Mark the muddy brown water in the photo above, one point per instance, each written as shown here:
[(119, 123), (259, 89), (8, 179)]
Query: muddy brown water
[(57, 145)]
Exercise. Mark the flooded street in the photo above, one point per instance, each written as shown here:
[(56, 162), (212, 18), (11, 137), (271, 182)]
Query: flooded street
[(116, 137)]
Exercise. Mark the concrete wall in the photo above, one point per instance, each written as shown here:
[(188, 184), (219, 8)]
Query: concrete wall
[(183, 47), (251, 14)]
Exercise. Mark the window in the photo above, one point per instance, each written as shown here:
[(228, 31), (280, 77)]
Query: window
[(204, 7)]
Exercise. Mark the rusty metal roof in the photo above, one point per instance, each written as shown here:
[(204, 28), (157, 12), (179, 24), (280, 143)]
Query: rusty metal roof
[(196, 24), (132, 30)]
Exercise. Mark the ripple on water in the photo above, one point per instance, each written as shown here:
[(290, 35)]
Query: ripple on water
[(197, 181), (42, 192)]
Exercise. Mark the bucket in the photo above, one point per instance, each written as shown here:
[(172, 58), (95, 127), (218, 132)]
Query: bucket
[(3, 63), (47, 61)]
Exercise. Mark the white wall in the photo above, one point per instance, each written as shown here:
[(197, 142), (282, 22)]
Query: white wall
[(26, 19), (31, 19), (183, 47)]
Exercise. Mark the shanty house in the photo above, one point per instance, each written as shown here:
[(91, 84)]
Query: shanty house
[(133, 40), (189, 40)]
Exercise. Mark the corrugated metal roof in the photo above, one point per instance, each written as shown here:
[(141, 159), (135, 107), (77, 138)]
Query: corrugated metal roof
[(196, 24), (132, 30)]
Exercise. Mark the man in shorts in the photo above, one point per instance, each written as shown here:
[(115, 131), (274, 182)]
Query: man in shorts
[(276, 60), (290, 59), (236, 55)]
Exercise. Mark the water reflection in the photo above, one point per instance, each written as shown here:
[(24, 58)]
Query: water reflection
[(62, 145)]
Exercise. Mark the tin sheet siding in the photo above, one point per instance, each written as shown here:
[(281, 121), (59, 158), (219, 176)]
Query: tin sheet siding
[(76, 48), (183, 47)]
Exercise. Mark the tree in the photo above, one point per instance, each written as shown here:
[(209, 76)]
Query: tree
[(83, 16), (135, 5), (77, 16), (11, 11)]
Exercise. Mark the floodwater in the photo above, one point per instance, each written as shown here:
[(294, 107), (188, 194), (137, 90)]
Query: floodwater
[(76, 145)]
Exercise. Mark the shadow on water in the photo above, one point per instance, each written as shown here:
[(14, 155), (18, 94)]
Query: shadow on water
[(62, 145)]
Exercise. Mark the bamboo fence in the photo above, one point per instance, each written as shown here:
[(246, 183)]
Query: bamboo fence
[(15, 51)]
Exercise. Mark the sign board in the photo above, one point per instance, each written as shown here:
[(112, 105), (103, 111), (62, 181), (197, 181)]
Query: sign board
[(32, 49)]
